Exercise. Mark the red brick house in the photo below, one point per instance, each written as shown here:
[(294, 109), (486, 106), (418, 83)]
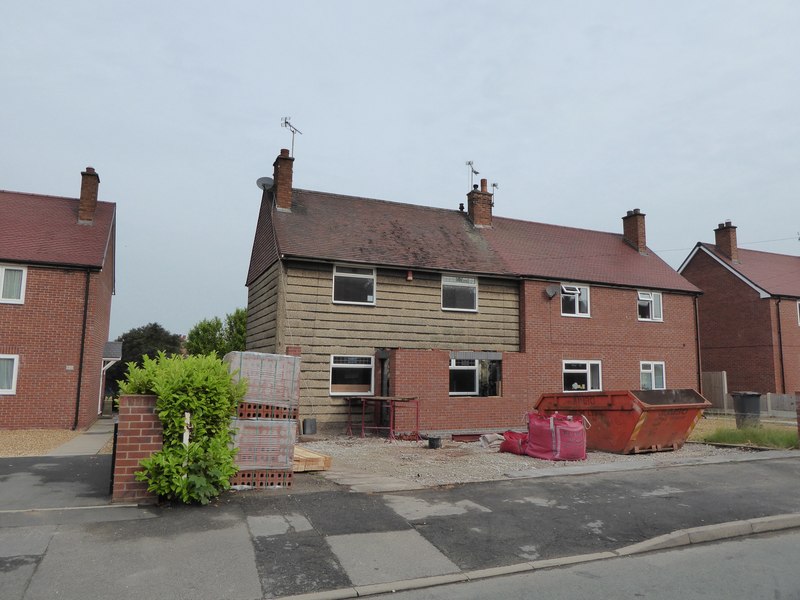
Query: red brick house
[(474, 314), (56, 282), (749, 313)]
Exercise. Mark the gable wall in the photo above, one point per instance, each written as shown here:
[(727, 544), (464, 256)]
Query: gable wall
[(45, 332), (736, 327)]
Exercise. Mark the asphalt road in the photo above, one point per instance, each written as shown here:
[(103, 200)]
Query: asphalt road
[(69, 544), (754, 568)]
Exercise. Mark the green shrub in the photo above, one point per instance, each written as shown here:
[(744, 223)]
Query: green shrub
[(201, 386)]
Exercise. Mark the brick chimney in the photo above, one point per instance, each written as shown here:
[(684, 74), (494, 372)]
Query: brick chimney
[(479, 206), (725, 240), (633, 230), (87, 204), (283, 180)]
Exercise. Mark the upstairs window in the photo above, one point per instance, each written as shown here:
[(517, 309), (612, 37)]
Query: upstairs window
[(352, 375), (475, 377), (582, 376), (353, 285), (8, 374), (650, 306), (459, 293), (798, 312), (651, 376), (12, 284), (574, 300)]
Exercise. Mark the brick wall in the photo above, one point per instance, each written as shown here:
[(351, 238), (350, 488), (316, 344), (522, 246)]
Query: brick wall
[(737, 329), (45, 332), (139, 434)]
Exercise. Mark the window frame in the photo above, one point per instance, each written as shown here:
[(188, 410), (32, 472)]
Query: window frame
[(473, 285), (652, 372), (475, 367), (373, 277), (371, 366), (574, 289), (798, 312), (652, 298), (3, 269), (14, 373), (588, 370)]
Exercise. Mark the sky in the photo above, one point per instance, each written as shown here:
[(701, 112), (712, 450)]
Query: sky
[(579, 111)]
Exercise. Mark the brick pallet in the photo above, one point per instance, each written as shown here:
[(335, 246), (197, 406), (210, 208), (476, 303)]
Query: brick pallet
[(266, 423)]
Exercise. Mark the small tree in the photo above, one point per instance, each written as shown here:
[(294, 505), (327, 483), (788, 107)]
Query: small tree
[(137, 343), (212, 335)]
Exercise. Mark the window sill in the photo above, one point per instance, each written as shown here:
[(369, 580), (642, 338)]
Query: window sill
[(342, 302), (466, 310), (574, 315)]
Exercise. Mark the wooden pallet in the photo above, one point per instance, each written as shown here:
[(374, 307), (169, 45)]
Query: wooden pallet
[(308, 460)]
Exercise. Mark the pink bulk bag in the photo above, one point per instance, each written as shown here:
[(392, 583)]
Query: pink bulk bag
[(556, 437)]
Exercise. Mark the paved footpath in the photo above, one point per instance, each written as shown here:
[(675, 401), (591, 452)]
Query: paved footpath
[(320, 537)]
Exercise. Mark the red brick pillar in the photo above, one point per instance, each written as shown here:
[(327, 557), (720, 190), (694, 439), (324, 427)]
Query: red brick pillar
[(139, 434)]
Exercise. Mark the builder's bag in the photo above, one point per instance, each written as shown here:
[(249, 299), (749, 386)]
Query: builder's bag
[(556, 437), (514, 442)]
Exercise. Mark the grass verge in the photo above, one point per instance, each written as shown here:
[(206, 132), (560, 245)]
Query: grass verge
[(763, 437)]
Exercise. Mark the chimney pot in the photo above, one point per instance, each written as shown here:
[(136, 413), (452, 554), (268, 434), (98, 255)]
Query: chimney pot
[(484, 185)]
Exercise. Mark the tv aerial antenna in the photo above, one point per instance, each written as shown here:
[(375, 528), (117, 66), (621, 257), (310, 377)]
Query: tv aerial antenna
[(285, 123), (472, 173)]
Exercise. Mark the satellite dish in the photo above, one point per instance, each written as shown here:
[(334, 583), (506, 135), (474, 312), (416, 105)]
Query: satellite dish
[(265, 182), (551, 291)]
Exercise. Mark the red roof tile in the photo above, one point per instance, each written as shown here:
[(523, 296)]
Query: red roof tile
[(40, 229), (776, 274), (359, 230)]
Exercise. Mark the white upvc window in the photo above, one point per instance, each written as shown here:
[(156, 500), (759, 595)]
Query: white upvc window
[(463, 377), (582, 375), (798, 312), (574, 300), (353, 285), (649, 306), (652, 376), (12, 284), (9, 364), (352, 375), (459, 293)]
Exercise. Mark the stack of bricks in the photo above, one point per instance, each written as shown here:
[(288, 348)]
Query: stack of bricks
[(266, 423)]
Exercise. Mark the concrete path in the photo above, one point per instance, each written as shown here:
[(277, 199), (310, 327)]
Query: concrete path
[(90, 441), (322, 539)]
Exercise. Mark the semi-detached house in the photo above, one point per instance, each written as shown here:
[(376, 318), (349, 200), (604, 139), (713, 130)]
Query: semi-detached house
[(749, 313), (476, 315), (56, 283)]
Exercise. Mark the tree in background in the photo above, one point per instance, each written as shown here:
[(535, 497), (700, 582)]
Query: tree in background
[(212, 335), (147, 340)]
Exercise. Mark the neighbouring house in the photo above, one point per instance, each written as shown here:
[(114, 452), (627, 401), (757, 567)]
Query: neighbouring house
[(749, 313), (476, 315), (56, 282)]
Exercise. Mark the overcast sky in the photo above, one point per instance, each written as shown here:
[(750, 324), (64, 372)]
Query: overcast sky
[(580, 111)]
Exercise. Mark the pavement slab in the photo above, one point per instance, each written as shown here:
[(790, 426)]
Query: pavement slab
[(187, 556), (371, 558)]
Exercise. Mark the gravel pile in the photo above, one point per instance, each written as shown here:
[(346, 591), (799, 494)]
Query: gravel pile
[(462, 462), (32, 442)]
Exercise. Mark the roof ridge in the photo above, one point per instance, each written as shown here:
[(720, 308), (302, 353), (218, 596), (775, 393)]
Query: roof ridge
[(49, 196), (713, 246)]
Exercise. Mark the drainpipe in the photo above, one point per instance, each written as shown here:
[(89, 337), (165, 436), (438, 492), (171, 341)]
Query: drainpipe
[(83, 348), (780, 348), (697, 341)]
